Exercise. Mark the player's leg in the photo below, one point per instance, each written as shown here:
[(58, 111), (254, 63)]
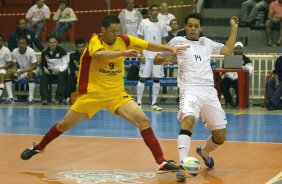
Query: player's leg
[(70, 119), (31, 85), (215, 119), (157, 73), (8, 83), (2, 77), (130, 111), (144, 72)]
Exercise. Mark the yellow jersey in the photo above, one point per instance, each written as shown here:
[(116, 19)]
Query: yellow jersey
[(105, 78)]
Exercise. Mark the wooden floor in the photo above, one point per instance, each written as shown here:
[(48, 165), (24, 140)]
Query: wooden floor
[(88, 159)]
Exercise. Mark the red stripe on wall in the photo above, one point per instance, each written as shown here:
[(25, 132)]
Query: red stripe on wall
[(84, 72)]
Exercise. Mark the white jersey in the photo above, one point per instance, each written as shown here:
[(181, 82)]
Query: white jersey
[(152, 32), (38, 14), (130, 21), (194, 63), (5, 56), (166, 19), (25, 60)]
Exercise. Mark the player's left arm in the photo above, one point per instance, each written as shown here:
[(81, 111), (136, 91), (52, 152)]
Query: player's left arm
[(227, 49), (159, 59)]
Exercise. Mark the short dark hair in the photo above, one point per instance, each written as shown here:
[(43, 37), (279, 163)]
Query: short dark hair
[(18, 21), (110, 19), (194, 16), (80, 41), (21, 38), (50, 36), (172, 21), (154, 5)]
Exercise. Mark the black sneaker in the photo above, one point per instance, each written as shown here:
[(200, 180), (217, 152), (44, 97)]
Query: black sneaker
[(29, 152), (167, 166)]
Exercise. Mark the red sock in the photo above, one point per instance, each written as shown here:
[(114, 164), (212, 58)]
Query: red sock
[(151, 141), (52, 134)]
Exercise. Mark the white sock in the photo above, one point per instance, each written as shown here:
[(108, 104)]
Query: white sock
[(1, 89), (183, 142), (156, 90), (31, 86), (9, 89), (209, 146), (140, 90)]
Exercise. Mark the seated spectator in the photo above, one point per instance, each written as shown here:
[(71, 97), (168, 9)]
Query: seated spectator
[(54, 64), (64, 18), (165, 16), (130, 19), (230, 79), (6, 71), (22, 31), (36, 17), (274, 86), (275, 19), (250, 9), (26, 61), (74, 67)]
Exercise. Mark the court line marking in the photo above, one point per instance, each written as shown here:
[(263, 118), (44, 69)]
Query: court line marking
[(276, 178)]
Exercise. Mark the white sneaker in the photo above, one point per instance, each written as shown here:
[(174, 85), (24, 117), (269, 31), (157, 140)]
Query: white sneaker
[(156, 108)]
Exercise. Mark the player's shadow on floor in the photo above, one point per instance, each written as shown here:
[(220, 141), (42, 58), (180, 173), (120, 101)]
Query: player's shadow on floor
[(210, 178)]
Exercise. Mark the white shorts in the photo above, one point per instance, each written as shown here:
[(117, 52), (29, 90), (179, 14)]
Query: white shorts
[(150, 70), (2, 71), (202, 101), (25, 76)]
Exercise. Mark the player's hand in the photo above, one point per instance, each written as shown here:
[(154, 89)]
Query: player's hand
[(131, 53), (234, 21), (170, 59), (176, 49)]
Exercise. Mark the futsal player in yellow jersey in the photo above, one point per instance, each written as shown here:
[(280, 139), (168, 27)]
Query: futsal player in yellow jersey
[(101, 86)]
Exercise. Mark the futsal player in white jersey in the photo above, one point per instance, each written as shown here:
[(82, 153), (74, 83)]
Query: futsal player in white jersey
[(130, 19), (26, 61), (6, 65), (198, 97), (152, 30)]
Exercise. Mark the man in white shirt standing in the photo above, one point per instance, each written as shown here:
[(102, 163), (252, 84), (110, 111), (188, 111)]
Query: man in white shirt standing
[(36, 17), (6, 66), (198, 97), (165, 16), (152, 30), (130, 19), (26, 61)]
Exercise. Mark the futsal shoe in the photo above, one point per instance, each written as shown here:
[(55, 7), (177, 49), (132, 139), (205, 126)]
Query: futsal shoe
[(180, 177), (29, 152), (208, 160), (167, 166)]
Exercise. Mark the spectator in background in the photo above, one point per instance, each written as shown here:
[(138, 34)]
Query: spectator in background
[(165, 16), (22, 31), (152, 30), (250, 9), (275, 19), (26, 61), (74, 67), (174, 29), (230, 79), (64, 18), (36, 17), (130, 19), (274, 86), (54, 64), (6, 71)]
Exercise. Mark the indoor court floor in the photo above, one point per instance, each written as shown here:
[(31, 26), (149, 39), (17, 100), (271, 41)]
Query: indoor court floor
[(107, 149)]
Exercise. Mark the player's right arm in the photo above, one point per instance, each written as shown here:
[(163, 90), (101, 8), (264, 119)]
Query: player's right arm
[(159, 59)]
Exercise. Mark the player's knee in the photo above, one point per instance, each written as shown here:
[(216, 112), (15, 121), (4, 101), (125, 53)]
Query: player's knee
[(219, 136), (62, 126), (144, 123)]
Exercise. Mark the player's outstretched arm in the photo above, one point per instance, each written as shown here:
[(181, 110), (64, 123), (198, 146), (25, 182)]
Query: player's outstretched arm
[(229, 45), (159, 59), (106, 54), (159, 47)]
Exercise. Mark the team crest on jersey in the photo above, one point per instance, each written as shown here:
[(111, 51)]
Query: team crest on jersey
[(103, 176), (202, 42)]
